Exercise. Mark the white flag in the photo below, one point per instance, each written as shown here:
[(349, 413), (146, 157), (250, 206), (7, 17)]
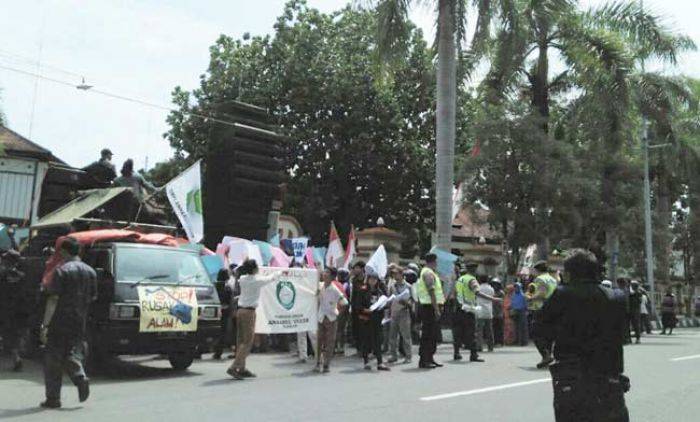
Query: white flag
[(185, 195), (379, 262), (334, 254)]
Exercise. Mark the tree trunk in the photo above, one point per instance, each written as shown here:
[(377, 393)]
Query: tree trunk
[(540, 100), (445, 124), (663, 228)]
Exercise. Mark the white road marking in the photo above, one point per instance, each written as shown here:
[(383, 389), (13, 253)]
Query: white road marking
[(485, 390), (685, 358)]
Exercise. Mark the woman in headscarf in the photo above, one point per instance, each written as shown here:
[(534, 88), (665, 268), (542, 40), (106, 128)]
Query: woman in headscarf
[(669, 307), (370, 322)]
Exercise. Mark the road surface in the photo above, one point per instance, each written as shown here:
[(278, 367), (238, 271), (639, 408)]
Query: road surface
[(665, 373)]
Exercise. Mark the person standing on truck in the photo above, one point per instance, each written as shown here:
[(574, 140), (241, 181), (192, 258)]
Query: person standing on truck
[(250, 282), (71, 291)]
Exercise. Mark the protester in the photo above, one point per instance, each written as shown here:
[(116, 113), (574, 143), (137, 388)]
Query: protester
[(429, 297), (484, 321), (518, 312), (669, 308), (635, 310), (133, 180), (394, 274), (223, 289), (343, 278), (71, 291), (14, 306), (645, 311), (329, 299), (498, 313), (586, 324), (370, 322), (102, 171), (400, 318), (357, 281), (623, 288), (250, 283)]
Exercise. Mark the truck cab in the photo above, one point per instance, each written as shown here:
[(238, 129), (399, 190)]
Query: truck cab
[(125, 271)]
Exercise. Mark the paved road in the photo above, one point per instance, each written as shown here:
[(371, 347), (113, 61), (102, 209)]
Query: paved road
[(506, 388)]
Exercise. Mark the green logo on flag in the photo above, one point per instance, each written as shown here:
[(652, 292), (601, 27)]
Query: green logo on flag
[(194, 201), (286, 294)]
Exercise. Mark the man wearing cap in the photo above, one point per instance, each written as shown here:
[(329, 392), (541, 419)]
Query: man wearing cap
[(430, 299), (102, 171), (541, 289), (464, 322)]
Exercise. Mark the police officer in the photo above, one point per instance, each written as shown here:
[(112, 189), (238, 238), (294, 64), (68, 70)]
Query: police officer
[(586, 322), (464, 321), (542, 287), (430, 298), (70, 292)]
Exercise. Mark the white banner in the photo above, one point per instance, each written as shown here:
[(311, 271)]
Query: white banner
[(289, 305), (185, 195)]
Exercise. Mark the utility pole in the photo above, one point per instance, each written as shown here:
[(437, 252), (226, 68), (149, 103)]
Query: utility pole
[(647, 219)]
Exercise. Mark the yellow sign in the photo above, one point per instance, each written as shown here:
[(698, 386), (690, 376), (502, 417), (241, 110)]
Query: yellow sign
[(167, 309)]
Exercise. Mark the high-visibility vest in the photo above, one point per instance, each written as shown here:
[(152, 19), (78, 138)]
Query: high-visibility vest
[(422, 288), (546, 282), (465, 295), (549, 282)]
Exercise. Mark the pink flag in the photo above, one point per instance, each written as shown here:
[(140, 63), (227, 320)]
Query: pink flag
[(310, 258), (279, 258)]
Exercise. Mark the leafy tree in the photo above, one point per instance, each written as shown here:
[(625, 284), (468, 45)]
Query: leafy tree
[(359, 146)]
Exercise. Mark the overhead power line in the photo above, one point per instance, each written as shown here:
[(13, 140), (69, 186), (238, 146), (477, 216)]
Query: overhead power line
[(144, 103)]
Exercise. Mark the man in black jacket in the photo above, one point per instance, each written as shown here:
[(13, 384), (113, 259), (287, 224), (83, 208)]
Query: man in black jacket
[(586, 322)]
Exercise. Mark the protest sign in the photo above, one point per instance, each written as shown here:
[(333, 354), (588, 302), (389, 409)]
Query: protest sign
[(288, 305), (299, 245), (167, 309), (379, 262)]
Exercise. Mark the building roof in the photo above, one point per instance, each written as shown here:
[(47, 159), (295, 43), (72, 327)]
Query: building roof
[(12, 143), (472, 222), (379, 231)]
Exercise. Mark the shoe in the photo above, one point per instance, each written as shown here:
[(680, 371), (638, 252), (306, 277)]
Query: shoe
[(545, 363), (301, 360), (423, 365), (392, 360), (475, 358), (317, 368), (457, 356), (235, 373), (437, 365), (368, 367), (382, 367), (51, 404), (83, 389), (406, 361), (216, 356), (247, 374), (326, 369)]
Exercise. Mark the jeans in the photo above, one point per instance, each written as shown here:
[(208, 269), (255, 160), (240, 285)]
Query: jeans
[(400, 324), (63, 353), (484, 333), (327, 330)]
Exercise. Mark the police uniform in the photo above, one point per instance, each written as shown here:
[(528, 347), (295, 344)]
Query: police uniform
[(586, 323), (464, 322), (544, 286), (426, 313)]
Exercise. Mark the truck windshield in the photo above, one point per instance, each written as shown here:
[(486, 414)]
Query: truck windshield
[(170, 266)]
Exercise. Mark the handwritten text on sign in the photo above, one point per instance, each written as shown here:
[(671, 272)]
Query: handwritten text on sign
[(166, 309)]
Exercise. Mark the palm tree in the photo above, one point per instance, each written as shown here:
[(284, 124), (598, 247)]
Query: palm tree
[(451, 30)]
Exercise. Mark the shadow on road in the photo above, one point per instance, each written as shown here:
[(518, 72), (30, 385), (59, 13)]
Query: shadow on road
[(18, 413)]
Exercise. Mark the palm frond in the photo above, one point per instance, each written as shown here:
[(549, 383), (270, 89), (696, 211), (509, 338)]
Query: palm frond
[(393, 28)]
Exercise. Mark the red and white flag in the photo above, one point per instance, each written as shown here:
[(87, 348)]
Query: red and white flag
[(350, 251), (334, 255)]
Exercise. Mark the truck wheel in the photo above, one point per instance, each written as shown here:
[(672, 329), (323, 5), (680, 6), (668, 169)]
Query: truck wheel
[(180, 360)]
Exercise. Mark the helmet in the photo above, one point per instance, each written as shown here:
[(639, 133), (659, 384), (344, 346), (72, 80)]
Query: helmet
[(410, 276)]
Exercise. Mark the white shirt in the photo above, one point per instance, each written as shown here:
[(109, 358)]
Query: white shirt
[(486, 305), (645, 301), (250, 288), (328, 299)]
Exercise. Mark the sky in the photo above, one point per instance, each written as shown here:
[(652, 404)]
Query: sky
[(142, 49)]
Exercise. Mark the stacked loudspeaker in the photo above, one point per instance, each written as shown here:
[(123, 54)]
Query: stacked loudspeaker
[(244, 174)]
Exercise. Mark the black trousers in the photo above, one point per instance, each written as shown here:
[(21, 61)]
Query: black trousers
[(371, 339), (225, 335), (636, 324), (543, 345), (646, 323), (580, 398), (429, 333), (64, 353), (464, 331), (498, 331)]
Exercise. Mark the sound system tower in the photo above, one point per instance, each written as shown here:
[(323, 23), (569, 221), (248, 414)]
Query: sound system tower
[(243, 173)]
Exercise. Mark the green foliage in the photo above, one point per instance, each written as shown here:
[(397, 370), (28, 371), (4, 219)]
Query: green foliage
[(360, 147)]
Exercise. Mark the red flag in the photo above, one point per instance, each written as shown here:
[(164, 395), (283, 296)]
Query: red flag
[(350, 250), (334, 255)]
